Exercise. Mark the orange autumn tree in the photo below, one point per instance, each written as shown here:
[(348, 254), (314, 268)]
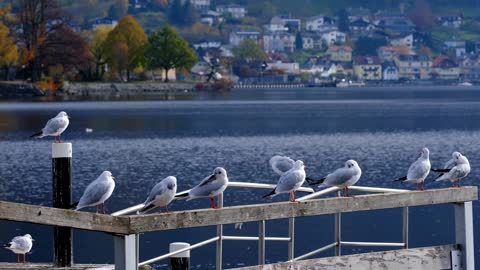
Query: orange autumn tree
[(8, 51), (125, 45)]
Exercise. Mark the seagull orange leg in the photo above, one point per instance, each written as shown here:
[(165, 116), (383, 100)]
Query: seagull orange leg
[(18, 258), (103, 208), (96, 209), (166, 207), (212, 199), (24, 258)]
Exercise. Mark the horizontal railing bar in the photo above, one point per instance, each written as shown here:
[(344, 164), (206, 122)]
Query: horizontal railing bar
[(357, 188), (317, 194), (197, 245), (371, 244), (254, 238), (316, 251), (135, 208), (282, 210)]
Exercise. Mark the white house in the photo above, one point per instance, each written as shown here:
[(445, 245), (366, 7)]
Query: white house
[(202, 5), (289, 68), (389, 71), (279, 42), (236, 11), (334, 37), (319, 23), (276, 24), (406, 40), (102, 21), (238, 36), (206, 44)]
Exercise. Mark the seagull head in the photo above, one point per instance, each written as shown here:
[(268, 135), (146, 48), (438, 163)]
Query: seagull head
[(456, 155), (108, 174), (299, 165), (171, 182), (29, 237), (351, 164), (425, 152), (63, 114), (219, 173)]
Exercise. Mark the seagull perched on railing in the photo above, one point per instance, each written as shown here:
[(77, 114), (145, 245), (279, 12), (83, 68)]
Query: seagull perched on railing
[(161, 194), (20, 245), (342, 177), (454, 170), (281, 164), (290, 181), (54, 127), (419, 170), (97, 192), (211, 186)]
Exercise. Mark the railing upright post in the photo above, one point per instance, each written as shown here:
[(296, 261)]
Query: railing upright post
[(405, 226), (220, 237), (126, 252), (291, 235), (338, 231), (464, 233), (261, 242)]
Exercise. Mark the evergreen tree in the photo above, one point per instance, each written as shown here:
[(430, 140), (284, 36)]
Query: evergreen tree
[(298, 41), (343, 22), (175, 13)]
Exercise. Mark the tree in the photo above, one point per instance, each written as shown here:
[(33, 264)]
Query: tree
[(132, 38), (112, 12), (190, 15), (8, 51), (175, 12), (167, 50), (121, 7), (343, 22), (422, 16), (368, 46), (98, 50), (298, 41), (249, 51)]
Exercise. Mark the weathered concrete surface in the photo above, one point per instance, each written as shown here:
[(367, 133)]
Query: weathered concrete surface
[(126, 89), (12, 90)]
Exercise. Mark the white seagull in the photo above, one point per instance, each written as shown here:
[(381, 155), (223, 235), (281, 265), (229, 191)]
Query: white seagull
[(97, 192), (342, 177), (290, 181), (419, 170), (54, 127), (213, 185), (281, 164), (455, 169), (20, 245), (161, 194)]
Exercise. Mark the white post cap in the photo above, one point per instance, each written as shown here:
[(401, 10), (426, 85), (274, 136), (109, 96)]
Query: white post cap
[(61, 150), (177, 246)]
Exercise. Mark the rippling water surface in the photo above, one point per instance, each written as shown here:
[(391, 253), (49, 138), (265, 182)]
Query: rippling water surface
[(143, 142)]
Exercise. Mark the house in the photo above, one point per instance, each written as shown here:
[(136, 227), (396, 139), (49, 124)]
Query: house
[(344, 70), (368, 68), (319, 23), (279, 42), (387, 53), (206, 44), (239, 35), (313, 41), (291, 23), (452, 20), (402, 40), (361, 26), (211, 17), (102, 21), (235, 11), (276, 24), (458, 46), (400, 26), (359, 14), (470, 68), (445, 69), (389, 71), (413, 67), (340, 53), (334, 37), (288, 68)]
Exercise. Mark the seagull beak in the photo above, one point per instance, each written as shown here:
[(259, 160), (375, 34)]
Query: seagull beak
[(33, 239), (212, 177), (113, 178)]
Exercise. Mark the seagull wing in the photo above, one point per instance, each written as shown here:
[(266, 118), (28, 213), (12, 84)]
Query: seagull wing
[(281, 164)]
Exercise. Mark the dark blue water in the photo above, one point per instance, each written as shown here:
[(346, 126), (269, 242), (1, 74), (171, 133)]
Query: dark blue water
[(143, 142)]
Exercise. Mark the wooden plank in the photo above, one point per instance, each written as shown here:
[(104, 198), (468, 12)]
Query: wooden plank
[(427, 258), (44, 266), (61, 217), (248, 213)]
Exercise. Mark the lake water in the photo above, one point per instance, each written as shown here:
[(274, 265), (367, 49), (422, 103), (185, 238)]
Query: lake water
[(143, 142)]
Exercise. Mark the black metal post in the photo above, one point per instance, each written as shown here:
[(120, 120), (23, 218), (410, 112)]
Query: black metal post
[(62, 198), (180, 261)]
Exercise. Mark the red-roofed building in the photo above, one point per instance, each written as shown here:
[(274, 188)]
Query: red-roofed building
[(445, 68), (340, 53), (368, 68)]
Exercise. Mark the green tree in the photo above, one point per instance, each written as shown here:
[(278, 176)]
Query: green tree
[(368, 46), (343, 22), (8, 51), (190, 15), (248, 51), (98, 50), (298, 41), (175, 12), (167, 50), (129, 38)]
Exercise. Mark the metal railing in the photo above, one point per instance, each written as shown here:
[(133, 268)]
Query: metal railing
[(262, 238)]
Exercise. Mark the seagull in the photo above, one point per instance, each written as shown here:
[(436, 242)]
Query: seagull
[(342, 177), (97, 192), (281, 164), (213, 185), (54, 127), (20, 245), (455, 169), (161, 194), (419, 170), (290, 181)]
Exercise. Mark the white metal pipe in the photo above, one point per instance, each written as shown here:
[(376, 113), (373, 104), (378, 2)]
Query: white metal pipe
[(261, 242), (220, 236), (291, 235), (327, 247), (378, 190), (264, 186), (372, 244), (317, 194), (253, 238), (197, 245)]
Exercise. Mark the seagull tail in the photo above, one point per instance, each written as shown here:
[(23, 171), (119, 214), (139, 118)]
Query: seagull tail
[(271, 194), (400, 179), (37, 135), (441, 177), (440, 170), (145, 209), (182, 196), (313, 182)]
